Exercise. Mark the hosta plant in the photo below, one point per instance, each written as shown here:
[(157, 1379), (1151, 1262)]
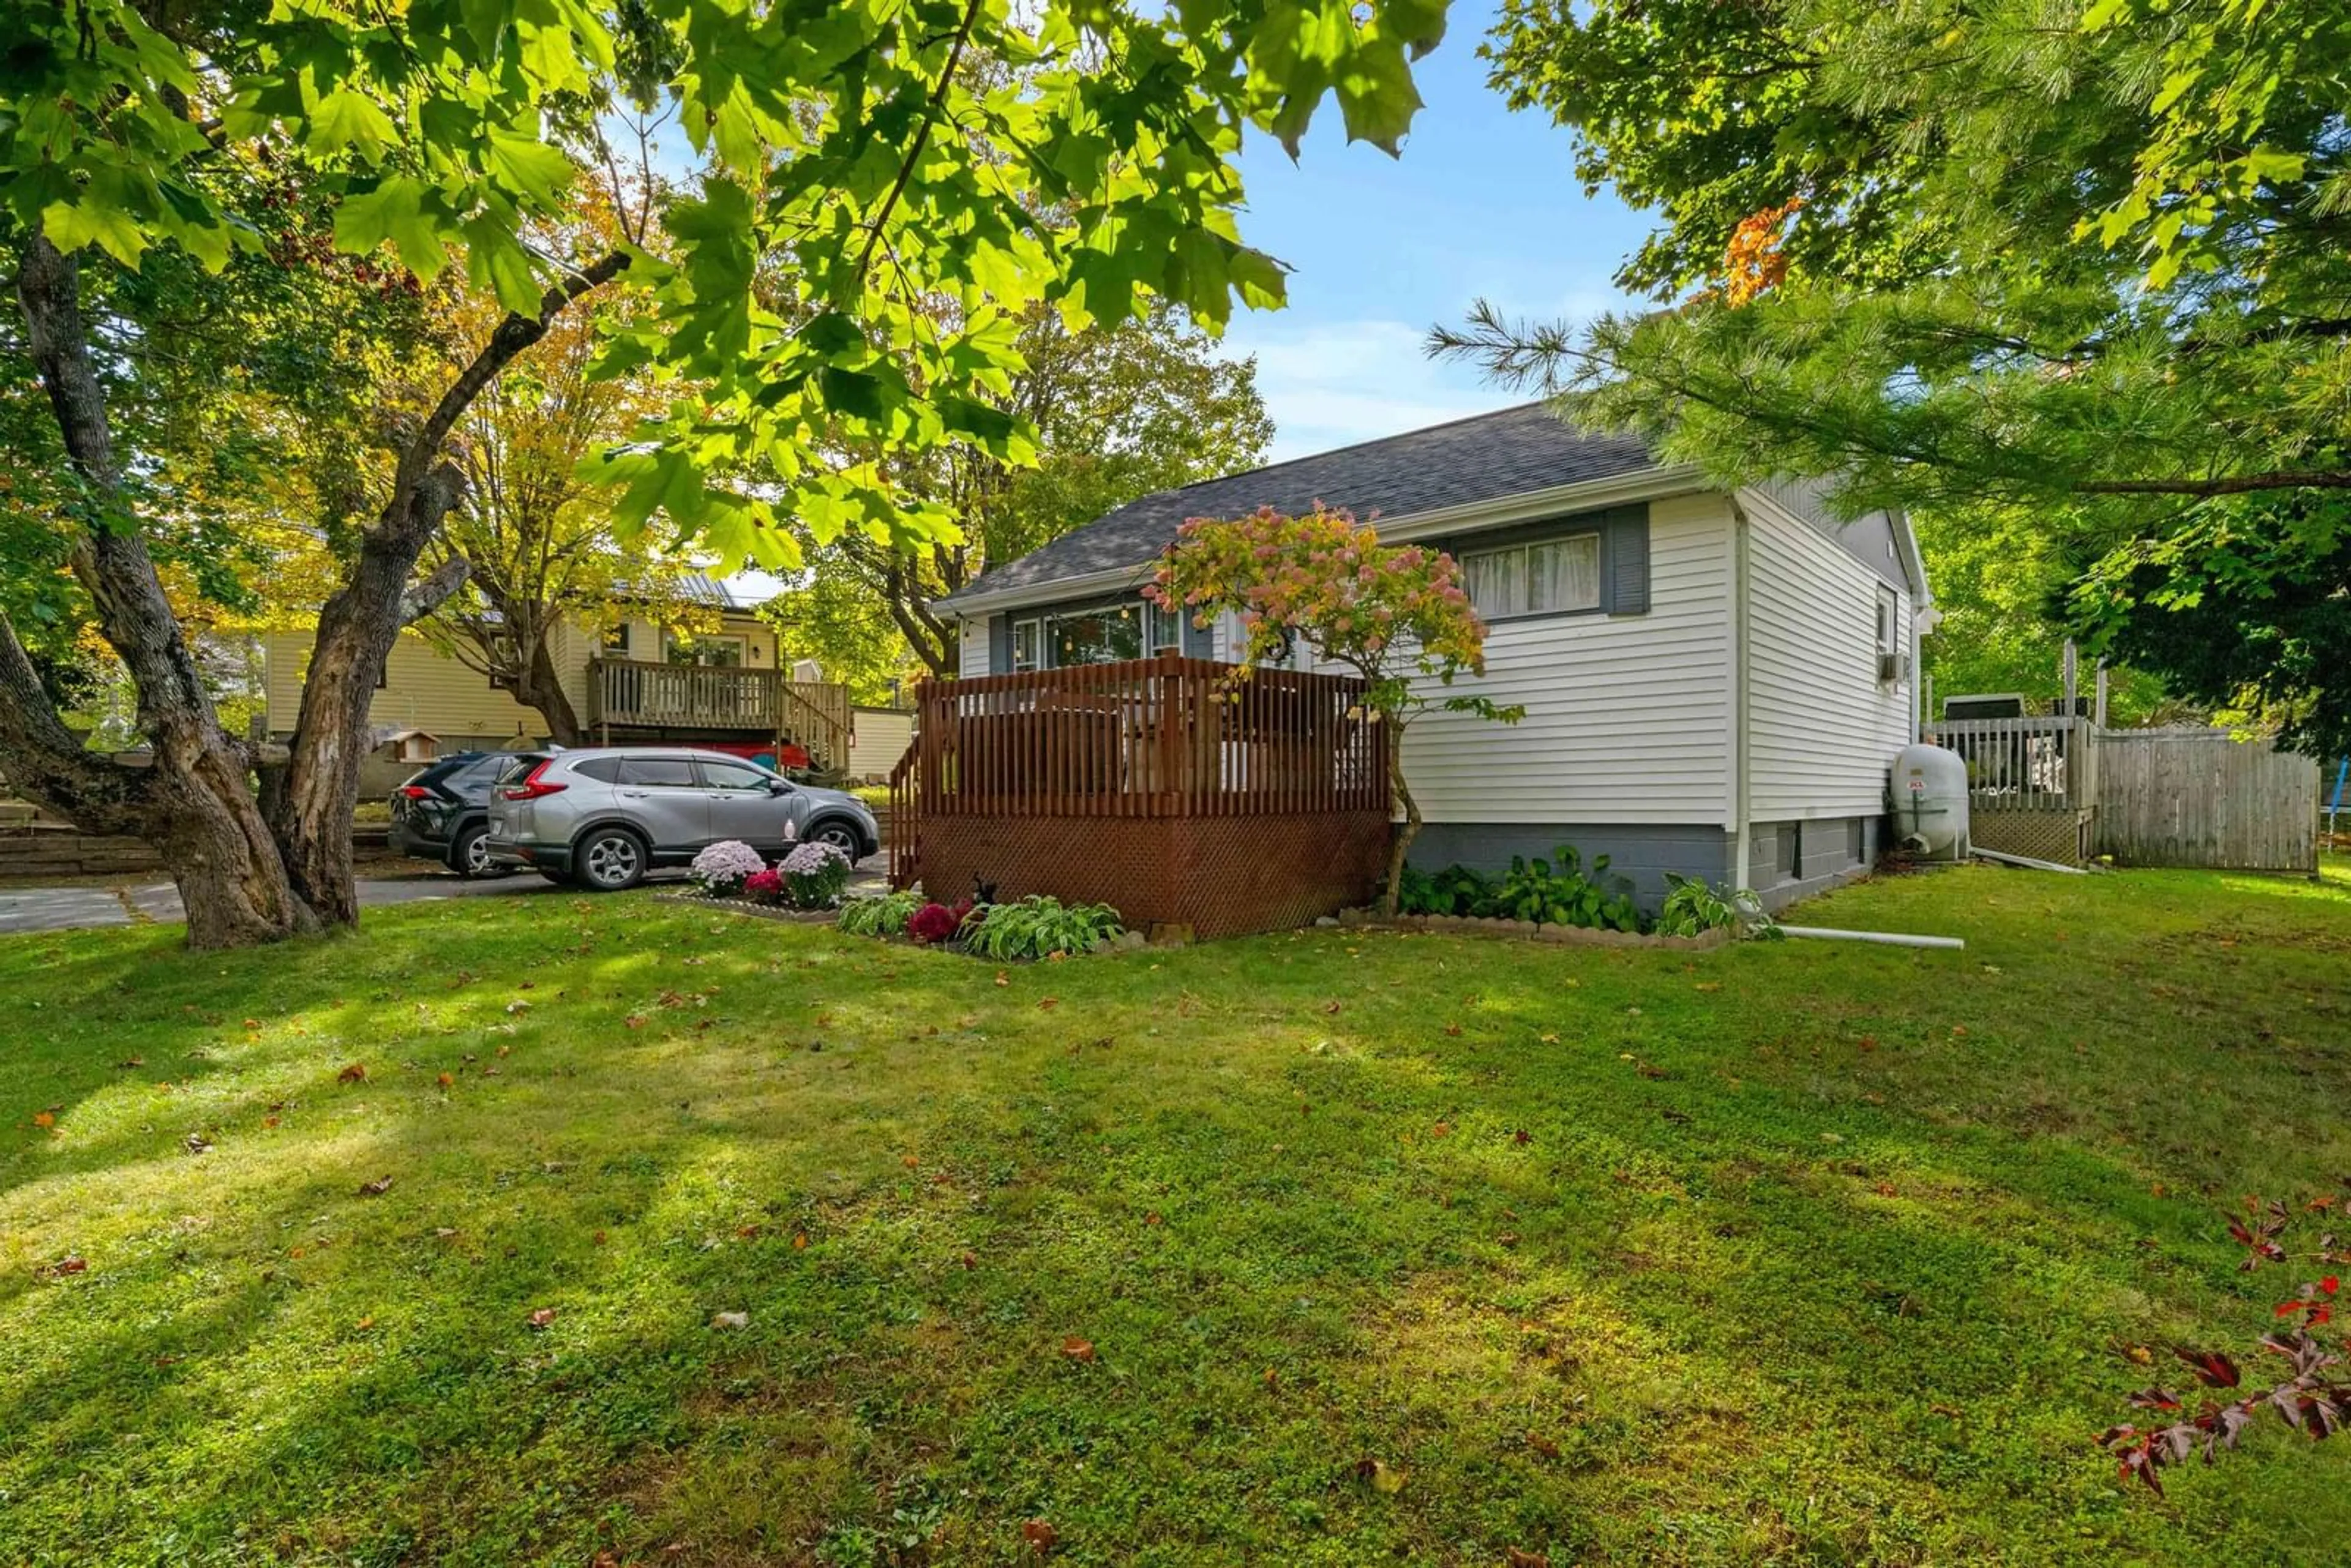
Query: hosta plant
[(880, 914), (1692, 908), (1038, 926), (1563, 894), (721, 869), (814, 876)]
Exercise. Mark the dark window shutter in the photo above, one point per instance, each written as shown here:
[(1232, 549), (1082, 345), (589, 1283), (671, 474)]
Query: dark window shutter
[(999, 645), (1628, 562), (1199, 642)]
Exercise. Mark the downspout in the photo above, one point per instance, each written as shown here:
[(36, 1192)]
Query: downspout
[(1743, 874)]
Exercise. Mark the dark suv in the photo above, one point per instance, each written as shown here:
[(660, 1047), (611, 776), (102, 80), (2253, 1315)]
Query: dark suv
[(440, 814)]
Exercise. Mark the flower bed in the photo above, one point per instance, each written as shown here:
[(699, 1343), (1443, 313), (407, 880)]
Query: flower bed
[(1025, 930), (810, 879)]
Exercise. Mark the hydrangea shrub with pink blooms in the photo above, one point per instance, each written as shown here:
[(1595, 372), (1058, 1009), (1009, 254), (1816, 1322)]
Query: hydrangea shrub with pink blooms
[(1396, 615)]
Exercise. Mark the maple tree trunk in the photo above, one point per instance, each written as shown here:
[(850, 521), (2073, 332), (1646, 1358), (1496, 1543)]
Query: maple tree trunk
[(249, 869), (540, 685), (1402, 846), (193, 803), (311, 804)]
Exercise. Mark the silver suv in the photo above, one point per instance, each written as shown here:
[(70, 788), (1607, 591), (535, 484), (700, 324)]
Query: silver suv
[(602, 817)]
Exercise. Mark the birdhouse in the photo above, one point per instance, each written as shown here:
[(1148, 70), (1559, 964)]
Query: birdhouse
[(412, 746)]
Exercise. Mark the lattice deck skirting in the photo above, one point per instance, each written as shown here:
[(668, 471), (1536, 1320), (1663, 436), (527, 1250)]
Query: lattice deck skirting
[(1223, 876), (2063, 836)]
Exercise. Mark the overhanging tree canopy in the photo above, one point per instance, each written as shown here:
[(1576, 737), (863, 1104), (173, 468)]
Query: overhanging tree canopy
[(2093, 263), (845, 285)]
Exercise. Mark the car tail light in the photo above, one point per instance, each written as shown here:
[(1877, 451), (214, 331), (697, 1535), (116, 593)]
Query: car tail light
[(414, 791), (532, 787)]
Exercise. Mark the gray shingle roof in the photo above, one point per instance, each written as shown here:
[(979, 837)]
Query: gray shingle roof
[(1487, 457)]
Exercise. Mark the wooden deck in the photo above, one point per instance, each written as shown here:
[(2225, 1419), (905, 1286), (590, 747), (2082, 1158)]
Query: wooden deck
[(1180, 790), (633, 694)]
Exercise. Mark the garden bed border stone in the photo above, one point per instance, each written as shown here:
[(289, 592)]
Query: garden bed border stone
[(745, 906), (1528, 931)]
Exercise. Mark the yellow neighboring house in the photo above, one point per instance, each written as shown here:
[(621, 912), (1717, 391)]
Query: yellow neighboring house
[(633, 685)]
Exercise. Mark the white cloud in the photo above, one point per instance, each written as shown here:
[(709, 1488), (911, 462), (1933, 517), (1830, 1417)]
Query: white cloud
[(1334, 384)]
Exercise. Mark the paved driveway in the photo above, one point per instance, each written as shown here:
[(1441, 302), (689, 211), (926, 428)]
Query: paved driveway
[(25, 909)]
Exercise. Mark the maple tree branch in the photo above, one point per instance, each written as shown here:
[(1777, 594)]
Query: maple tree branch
[(922, 135)]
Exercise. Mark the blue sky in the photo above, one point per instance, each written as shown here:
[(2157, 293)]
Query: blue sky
[(1483, 202)]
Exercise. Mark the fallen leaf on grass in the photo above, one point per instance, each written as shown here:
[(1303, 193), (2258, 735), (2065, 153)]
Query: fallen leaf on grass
[(1522, 1136), (253, 1023), (1076, 1349), (71, 1263), (1514, 1558), (1002, 978), (634, 1021), (1649, 1069), (1384, 1476), (375, 1188), (730, 1319), (971, 1260), (910, 1161), (132, 1062), (444, 1081), (1041, 1536), (1543, 1444), (198, 1143), (1273, 1379), (1453, 1029), (44, 1119), (355, 1073), (1442, 1130), (1710, 984), (1550, 1039), (269, 1121), (800, 1241), (1048, 1004), (542, 1317)]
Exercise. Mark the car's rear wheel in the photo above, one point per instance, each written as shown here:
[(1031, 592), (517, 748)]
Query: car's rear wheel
[(840, 835), (609, 859), (469, 856)]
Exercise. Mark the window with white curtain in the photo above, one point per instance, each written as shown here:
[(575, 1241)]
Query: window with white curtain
[(1548, 577)]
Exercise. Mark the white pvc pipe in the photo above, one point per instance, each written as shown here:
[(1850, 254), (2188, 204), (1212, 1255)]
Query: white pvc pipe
[(2027, 861), (1886, 938)]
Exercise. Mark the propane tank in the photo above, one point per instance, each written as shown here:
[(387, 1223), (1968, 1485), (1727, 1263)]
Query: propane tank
[(1928, 802)]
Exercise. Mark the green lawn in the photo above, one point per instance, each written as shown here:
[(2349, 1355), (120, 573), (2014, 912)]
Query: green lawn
[(1795, 1251)]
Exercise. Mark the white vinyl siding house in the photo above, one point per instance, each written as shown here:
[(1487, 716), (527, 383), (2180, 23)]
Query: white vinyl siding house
[(1715, 682), (1821, 723)]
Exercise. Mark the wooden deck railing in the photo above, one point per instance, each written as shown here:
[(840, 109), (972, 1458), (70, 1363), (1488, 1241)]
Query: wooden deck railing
[(1160, 737), (816, 714), (2036, 763)]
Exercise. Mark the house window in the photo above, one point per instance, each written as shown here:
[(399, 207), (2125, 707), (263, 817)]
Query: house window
[(719, 651), (1549, 577), (1162, 630), (616, 639), (1026, 637), (1890, 661), (1100, 636)]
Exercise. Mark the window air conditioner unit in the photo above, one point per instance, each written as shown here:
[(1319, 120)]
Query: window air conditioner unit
[(1893, 666)]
